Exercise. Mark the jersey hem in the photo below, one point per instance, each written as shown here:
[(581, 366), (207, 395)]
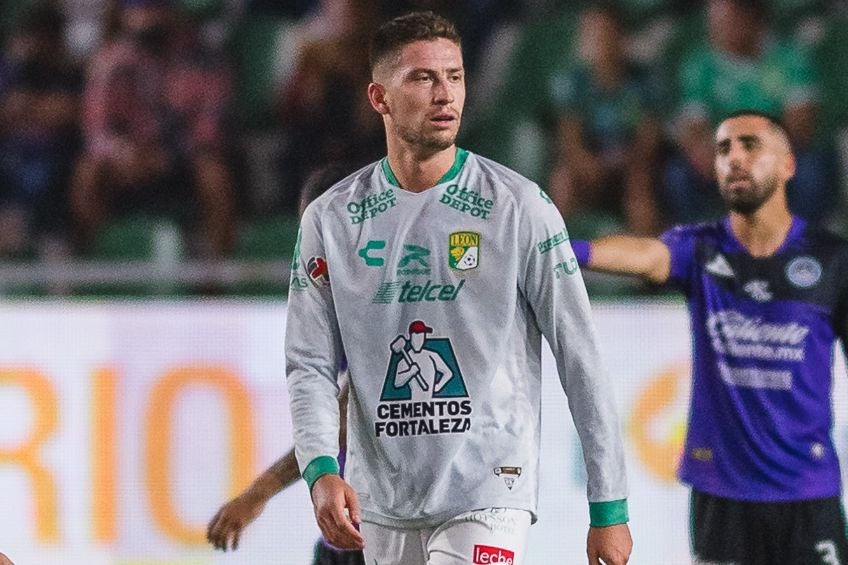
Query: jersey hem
[(758, 497), (435, 520)]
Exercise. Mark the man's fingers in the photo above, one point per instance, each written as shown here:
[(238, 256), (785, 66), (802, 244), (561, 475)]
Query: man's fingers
[(221, 533), (340, 532), (235, 541), (212, 523), (353, 507)]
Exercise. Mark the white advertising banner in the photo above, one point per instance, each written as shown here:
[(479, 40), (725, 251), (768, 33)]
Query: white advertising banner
[(124, 426)]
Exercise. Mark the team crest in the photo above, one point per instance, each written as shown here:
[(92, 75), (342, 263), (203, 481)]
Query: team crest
[(804, 272), (508, 474), (317, 268), (464, 250)]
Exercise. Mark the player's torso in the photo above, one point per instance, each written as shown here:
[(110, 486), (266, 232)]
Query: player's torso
[(764, 333), (441, 258), (429, 281)]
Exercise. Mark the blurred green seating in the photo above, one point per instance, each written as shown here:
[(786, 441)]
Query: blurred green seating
[(266, 239), (135, 238), (265, 49)]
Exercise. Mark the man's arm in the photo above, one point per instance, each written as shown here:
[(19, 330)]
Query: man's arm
[(644, 257), (225, 528), (561, 306)]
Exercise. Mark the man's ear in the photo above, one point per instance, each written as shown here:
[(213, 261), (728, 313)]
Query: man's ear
[(789, 165), (377, 97)]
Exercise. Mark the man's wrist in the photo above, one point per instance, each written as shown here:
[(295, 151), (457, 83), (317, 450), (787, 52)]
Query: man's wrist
[(610, 513), (318, 467), (582, 251)]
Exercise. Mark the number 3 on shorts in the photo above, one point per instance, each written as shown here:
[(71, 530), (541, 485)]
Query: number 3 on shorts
[(827, 550)]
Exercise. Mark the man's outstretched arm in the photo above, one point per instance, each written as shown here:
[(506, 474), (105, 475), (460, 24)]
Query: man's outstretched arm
[(225, 528), (644, 257)]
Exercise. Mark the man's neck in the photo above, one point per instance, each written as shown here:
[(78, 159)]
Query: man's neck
[(417, 172), (763, 232)]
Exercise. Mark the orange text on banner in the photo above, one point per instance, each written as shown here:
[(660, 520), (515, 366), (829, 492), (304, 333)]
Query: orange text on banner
[(158, 445), (104, 445), (659, 454), (46, 408)]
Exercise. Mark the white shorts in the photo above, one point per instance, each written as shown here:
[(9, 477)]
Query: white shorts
[(488, 536)]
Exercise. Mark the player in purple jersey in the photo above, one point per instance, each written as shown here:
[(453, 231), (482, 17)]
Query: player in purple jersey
[(225, 528), (767, 297)]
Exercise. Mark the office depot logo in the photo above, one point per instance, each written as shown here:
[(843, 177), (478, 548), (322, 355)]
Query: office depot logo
[(485, 554)]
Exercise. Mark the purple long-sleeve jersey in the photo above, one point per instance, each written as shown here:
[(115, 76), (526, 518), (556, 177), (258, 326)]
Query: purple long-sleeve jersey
[(763, 332)]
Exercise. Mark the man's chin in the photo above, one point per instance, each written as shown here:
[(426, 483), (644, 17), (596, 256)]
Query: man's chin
[(440, 143), (744, 207)]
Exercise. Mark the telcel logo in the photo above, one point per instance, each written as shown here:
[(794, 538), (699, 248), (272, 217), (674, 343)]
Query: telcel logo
[(486, 554)]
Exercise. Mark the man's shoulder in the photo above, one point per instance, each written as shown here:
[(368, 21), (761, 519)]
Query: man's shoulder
[(700, 231), (501, 177), (356, 184), (823, 240)]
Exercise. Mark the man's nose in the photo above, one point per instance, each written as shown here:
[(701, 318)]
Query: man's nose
[(443, 92)]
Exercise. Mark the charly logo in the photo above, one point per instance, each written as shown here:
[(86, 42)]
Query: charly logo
[(508, 474), (463, 250), (367, 256), (317, 268), (371, 206), (804, 272), (424, 391), (467, 201)]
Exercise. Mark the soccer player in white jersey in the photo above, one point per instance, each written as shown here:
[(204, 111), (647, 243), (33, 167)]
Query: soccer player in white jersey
[(438, 271)]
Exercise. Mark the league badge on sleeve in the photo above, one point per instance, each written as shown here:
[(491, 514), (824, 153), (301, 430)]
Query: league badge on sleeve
[(317, 267), (464, 250)]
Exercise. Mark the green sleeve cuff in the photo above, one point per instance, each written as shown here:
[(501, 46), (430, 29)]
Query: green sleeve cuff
[(608, 513), (318, 467)]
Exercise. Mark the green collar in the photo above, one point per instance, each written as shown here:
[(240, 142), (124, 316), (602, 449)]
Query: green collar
[(458, 162)]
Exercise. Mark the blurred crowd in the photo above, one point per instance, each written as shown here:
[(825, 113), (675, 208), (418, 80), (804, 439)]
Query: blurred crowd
[(212, 113)]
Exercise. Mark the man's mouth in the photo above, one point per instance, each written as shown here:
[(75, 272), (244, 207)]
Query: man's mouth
[(443, 119), (737, 178)]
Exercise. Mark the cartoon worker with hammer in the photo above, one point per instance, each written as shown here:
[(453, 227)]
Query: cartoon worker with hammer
[(426, 367)]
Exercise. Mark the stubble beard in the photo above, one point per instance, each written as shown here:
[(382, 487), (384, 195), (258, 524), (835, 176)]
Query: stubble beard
[(432, 143), (748, 201)]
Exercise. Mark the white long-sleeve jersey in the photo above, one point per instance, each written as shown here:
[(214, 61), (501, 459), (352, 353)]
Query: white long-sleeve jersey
[(439, 300)]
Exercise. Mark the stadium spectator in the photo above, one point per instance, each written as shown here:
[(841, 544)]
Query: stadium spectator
[(154, 121), (425, 484), (608, 133), (323, 107), (744, 66), (39, 131), (767, 293), (225, 528)]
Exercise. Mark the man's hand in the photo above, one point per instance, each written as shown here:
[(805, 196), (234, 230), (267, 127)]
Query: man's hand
[(226, 526), (610, 545), (332, 496)]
